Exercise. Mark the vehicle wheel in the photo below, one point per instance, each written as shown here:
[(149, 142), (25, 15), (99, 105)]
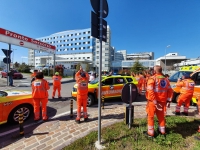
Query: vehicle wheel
[(90, 100), (14, 115)]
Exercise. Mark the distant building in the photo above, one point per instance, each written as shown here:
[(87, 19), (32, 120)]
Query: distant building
[(189, 62), (73, 47), (120, 55), (141, 56), (171, 59)]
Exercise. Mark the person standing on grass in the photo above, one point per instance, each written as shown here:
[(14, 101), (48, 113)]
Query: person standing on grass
[(186, 92), (40, 89), (158, 93)]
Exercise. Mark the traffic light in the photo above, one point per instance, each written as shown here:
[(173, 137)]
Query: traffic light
[(96, 19), (7, 59)]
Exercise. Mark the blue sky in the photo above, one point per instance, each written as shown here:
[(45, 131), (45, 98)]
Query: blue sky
[(136, 25)]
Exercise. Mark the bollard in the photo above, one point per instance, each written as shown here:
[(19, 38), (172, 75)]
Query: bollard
[(21, 121), (102, 101), (71, 108)]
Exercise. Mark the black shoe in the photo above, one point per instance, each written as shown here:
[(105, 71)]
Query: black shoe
[(184, 113), (77, 121), (45, 119), (36, 120), (52, 97), (86, 119), (177, 113), (60, 97), (147, 135)]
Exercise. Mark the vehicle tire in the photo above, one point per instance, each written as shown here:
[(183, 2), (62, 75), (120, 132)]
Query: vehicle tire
[(14, 115), (90, 100)]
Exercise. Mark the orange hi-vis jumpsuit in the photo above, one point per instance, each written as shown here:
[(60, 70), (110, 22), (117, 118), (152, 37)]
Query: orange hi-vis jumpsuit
[(33, 74), (158, 93), (82, 94), (141, 84), (186, 93), (40, 95), (56, 85)]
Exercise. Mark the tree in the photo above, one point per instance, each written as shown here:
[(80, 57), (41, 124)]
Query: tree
[(16, 65), (87, 69), (78, 67), (137, 67)]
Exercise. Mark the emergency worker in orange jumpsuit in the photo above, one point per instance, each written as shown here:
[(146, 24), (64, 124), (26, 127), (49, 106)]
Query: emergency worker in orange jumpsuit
[(82, 79), (56, 85), (40, 95), (158, 93), (33, 75), (186, 93), (141, 83)]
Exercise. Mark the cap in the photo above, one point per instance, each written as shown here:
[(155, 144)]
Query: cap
[(57, 73), (83, 74)]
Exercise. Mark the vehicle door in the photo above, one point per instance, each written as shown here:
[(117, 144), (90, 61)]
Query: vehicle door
[(2, 101), (118, 85), (196, 78), (107, 86)]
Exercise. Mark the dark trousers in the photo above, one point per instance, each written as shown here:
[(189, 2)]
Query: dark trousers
[(10, 81)]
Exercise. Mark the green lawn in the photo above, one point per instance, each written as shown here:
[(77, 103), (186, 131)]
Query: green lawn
[(181, 135)]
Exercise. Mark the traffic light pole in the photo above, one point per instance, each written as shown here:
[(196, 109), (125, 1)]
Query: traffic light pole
[(100, 68)]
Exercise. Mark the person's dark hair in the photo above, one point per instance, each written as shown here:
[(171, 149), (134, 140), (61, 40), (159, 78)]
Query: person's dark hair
[(35, 70), (39, 75), (166, 75), (83, 74)]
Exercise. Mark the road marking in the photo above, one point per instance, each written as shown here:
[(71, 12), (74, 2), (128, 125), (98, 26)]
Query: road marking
[(29, 125)]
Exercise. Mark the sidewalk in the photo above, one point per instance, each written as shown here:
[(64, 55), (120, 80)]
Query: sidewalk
[(58, 133)]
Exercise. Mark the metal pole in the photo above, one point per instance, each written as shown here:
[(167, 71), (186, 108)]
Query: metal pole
[(48, 64), (130, 106), (100, 68), (7, 69), (54, 63), (165, 60)]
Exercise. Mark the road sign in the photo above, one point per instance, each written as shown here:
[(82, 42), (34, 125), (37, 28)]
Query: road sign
[(96, 6), (7, 60), (7, 52), (126, 93), (95, 27)]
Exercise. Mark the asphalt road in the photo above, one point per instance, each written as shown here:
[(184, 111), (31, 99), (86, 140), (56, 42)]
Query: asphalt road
[(56, 107)]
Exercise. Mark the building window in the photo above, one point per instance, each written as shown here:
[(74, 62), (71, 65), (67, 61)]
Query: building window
[(106, 65), (88, 57), (97, 52), (106, 54)]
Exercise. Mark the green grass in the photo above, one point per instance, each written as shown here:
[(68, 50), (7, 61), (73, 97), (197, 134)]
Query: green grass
[(181, 135)]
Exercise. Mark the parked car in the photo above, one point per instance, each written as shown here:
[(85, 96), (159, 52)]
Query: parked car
[(17, 75), (14, 102), (111, 87)]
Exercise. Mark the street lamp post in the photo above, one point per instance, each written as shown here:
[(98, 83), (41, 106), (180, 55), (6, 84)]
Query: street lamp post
[(165, 56)]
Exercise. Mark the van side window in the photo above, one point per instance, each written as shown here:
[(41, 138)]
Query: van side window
[(119, 80), (197, 81)]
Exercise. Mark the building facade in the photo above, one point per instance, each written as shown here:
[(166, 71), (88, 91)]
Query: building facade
[(73, 47), (141, 56)]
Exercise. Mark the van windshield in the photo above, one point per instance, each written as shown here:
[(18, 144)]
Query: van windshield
[(174, 77), (95, 81)]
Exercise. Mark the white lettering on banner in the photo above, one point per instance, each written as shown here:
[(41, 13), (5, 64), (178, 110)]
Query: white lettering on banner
[(40, 43), (16, 36), (111, 92)]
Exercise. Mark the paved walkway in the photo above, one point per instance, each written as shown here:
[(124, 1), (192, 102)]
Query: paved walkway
[(60, 132)]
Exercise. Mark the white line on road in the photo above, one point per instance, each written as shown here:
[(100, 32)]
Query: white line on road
[(26, 126)]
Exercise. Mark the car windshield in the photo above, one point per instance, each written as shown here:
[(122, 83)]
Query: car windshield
[(177, 75), (95, 81)]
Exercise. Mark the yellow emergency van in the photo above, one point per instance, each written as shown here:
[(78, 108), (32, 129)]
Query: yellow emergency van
[(194, 72)]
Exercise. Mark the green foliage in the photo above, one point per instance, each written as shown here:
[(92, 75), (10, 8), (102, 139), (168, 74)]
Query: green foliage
[(119, 136), (24, 68), (87, 69), (16, 65), (137, 67), (78, 67), (45, 72)]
